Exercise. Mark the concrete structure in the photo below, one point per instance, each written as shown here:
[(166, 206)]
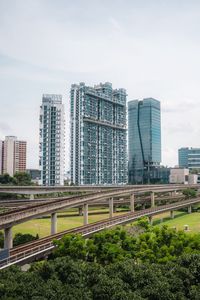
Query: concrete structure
[(13, 155), (44, 246), (179, 176), (189, 158), (192, 179), (144, 139), (51, 151), (98, 135)]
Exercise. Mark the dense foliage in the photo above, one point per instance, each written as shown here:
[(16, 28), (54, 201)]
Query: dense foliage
[(19, 178), (190, 193), (135, 263), (19, 239), (66, 279), (154, 245)]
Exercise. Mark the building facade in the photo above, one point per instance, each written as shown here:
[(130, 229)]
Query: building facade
[(98, 135), (179, 175), (183, 157), (51, 149), (144, 139), (189, 158), (13, 155)]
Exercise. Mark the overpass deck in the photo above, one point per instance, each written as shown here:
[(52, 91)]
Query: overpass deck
[(20, 215), (42, 247)]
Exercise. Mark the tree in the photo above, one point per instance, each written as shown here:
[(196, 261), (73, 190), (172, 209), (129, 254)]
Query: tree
[(190, 193), (22, 178), (24, 238), (6, 179)]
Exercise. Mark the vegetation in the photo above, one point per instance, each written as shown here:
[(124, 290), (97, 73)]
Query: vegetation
[(154, 263), (190, 193), (19, 178), (19, 239), (154, 245)]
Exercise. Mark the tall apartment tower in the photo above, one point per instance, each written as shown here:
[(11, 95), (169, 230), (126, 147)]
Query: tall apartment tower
[(51, 149), (98, 135), (144, 139), (13, 155)]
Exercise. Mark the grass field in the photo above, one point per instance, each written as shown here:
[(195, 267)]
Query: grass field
[(42, 226), (180, 219)]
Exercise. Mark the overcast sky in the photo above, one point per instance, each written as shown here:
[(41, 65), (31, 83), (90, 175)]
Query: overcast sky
[(150, 48)]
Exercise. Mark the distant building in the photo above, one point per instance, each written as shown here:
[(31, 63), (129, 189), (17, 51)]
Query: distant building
[(189, 158), (179, 175), (144, 139), (13, 155), (51, 160), (35, 175), (98, 135)]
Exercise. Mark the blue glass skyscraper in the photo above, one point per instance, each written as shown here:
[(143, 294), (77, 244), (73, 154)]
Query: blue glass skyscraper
[(144, 139)]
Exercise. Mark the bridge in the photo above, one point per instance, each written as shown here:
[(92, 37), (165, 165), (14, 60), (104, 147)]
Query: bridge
[(23, 214), (42, 247)]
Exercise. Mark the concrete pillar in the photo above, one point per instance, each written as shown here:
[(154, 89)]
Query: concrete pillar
[(111, 207), (189, 209), (132, 202), (172, 214), (143, 206), (85, 214), (152, 199), (173, 194), (114, 208), (150, 220), (8, 241), (31, 197), (53, 223), (80, 211)]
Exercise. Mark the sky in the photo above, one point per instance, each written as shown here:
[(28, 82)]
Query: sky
[(150, 48)]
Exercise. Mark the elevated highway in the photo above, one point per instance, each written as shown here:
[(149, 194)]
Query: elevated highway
[(20, 215), (42, 247)]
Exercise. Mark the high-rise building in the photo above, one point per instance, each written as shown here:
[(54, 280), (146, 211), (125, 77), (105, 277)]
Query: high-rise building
[(13, 155), (189, 158), (144, 139), (183, 157), (52, 126), (98, 135)]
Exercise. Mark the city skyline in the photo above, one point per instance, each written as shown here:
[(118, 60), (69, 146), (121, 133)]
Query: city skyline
[(152, 52)]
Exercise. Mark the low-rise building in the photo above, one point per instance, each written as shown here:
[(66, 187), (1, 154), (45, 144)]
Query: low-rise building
[(179, 175)]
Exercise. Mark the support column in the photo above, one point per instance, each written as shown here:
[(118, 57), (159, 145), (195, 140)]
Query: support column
[(132, 202), (8, 241), (143, 206), (189, 209), (150, 220), (152, 199), (85, 214), (53, 223), (111, 207), (114, 208), (31, 197), (172, 214), (80, 211), (173, 194)]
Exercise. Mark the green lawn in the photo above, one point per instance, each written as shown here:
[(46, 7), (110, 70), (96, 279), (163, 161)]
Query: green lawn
[(43, 226), (180, 219)]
